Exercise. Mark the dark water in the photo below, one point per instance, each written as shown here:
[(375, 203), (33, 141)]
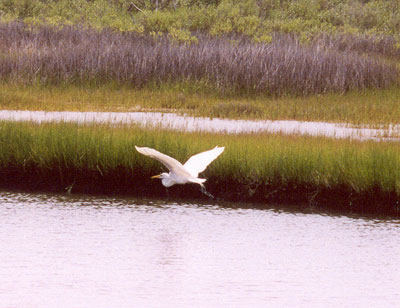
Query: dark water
[(60, 251)]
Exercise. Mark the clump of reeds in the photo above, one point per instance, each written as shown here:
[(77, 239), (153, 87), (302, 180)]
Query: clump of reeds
[(50, 55), (378, 45), (361, 176)]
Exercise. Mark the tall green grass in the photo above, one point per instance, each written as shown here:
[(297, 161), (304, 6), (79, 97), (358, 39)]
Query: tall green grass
[(354, 176)]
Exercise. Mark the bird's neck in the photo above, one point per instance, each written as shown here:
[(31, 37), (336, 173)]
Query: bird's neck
[(166, 181)]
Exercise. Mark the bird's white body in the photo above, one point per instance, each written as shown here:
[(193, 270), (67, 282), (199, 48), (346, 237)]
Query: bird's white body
[(182, 174), (169, 179)]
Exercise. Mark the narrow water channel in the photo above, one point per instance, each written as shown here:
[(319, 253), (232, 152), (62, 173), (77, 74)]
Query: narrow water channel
[(81, 251), (188, 123)]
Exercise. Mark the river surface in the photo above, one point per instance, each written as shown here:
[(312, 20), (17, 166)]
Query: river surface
[(81, 251), (189, 123)]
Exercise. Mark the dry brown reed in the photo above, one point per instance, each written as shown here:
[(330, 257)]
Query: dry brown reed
[(229, 64), (378, 45)]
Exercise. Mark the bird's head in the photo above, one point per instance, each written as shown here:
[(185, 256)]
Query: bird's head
[(165, 179), (163, 175)]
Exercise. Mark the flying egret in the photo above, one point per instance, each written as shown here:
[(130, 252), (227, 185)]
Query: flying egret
[(182, 174)]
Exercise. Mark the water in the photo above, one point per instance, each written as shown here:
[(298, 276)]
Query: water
[(60, 251), (187, 123)]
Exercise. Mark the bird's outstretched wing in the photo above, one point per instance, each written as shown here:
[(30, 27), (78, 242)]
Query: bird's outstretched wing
[(199, 162), (169, 162)]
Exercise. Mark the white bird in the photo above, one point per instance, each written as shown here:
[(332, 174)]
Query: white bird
[(182, 174)]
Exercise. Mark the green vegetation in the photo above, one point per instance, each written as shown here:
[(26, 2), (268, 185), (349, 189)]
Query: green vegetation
[(179, 19), (359, 176)]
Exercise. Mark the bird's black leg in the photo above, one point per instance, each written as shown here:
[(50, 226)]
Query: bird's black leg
[(166, 189), (204, 191)]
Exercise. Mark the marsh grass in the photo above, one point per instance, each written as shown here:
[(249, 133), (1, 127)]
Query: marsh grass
[(359, 176), (371, 107), (228, 65)]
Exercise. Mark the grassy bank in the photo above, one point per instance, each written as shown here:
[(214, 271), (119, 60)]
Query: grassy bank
[(352, 176), (366, 107)]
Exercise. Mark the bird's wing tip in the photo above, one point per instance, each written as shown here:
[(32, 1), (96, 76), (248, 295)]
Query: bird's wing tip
[(141, 150)]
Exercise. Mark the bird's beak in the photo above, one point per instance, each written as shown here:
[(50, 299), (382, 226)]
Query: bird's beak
[(156, 176)]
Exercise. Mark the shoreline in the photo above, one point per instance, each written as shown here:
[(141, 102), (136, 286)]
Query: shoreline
[(350, 176), (121, 182)]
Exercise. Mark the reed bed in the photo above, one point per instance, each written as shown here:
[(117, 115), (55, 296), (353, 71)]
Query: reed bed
[(352, 176), (48, 55)]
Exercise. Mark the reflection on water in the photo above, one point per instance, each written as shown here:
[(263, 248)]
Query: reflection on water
[(188, 123), (60, 251)]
